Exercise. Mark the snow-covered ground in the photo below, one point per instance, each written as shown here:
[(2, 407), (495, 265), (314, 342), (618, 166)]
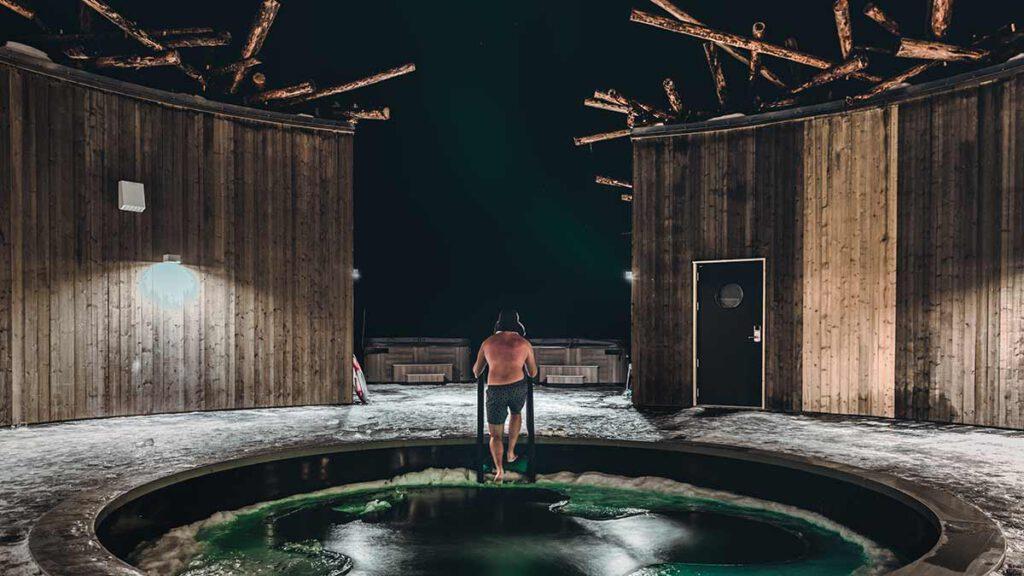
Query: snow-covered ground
[(42, 465)]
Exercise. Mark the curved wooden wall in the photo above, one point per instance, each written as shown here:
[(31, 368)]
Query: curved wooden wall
[(894, 239), (259, 207)]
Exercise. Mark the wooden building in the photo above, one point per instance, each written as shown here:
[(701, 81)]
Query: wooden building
[(892, 235), (257, 204), (580, 361), (418, 360)]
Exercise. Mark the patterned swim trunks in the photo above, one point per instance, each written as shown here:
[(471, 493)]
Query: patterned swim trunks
[(503, 399)]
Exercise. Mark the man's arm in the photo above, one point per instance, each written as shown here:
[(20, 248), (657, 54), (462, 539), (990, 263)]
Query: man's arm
[(481, 361), (531, 362)]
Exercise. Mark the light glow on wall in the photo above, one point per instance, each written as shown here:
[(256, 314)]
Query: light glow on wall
[(168, 284)]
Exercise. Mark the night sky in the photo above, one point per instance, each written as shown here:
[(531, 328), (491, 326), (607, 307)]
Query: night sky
[(473, 197)]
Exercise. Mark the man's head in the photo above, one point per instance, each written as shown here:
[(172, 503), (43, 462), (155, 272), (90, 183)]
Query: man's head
[(508, 321)]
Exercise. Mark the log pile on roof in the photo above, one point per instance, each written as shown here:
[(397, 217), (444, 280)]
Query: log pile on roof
[(864, 68), (211, 60)]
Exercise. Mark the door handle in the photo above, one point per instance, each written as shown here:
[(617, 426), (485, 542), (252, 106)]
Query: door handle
[(756, 337)]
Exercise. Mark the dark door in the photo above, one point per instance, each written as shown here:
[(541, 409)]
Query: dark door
[(730, 330)]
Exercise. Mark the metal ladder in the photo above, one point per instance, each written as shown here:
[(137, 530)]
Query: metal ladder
[(481, 453)]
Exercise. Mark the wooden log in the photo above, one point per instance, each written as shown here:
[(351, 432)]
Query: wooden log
[(169, 58), (259, 80), (19, 9), (187, 31), (898, 79), (257, 35), (260, 27), (605, 105), (362, 83), (837, 72), (194, 74), (717, 75), (683, 16), (377, 114), (757, 31), (234, 67), (158, 34), (672, 94), (284, 93), (584, 140), (783, 103), (612, 182), (141, 36), (931, 50), (611, 96), (198, 40), (942, 13), (872, 11), (841, 9), (796, 72), (78, 53), (127, 26), (736, 41), (637, 108), (894, 81)]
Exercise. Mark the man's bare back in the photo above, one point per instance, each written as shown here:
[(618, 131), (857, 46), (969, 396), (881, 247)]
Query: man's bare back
[(505, 354)]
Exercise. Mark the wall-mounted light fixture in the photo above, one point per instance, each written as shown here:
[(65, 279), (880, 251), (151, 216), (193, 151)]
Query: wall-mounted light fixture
[(131, 196), (628, 275), (168, 284), (356, 275)]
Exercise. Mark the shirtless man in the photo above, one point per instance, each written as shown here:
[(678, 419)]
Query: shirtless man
[(505, 354)]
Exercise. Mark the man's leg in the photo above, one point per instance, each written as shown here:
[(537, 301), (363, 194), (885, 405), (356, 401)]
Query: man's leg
[(515, 424), (497, 449)]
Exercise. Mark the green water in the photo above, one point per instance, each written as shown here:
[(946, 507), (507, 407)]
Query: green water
[(513, 530)]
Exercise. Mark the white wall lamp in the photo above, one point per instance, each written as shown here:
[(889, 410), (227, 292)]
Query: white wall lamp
[(131, 196)]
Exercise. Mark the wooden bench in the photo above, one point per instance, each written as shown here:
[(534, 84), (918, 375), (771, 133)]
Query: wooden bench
[(569, 374), (424, 379), (421, 373), (565, 379)]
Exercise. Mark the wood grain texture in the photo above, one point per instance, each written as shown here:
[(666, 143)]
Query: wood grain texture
[(260, 212), (894, 239), (704, 197), (961, 258), (849, 264)]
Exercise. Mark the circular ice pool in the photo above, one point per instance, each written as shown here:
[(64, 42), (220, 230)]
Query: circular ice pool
[(598, 508), (442, 522)]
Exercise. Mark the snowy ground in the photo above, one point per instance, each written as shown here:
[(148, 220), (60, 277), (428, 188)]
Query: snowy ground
[(44, 464)]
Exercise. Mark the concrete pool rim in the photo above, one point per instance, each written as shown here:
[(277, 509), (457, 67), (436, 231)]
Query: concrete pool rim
[(65, 540)]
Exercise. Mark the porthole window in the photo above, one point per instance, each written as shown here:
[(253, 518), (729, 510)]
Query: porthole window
[(729, 296)]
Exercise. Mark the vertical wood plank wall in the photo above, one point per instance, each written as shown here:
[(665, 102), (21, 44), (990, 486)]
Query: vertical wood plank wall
[(849, 262), (261, 214), (703, 197), (961, 257), (894, 239)]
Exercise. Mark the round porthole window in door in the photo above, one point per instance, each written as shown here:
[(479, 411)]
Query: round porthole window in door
[(729, 296)]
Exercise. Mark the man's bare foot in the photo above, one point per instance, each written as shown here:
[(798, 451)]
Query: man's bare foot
[(498, 475), (512, 457)]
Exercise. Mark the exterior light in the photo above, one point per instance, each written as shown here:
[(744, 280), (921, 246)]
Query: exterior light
[(628, 275), (168, 284), (131, 196), (356, 275)]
